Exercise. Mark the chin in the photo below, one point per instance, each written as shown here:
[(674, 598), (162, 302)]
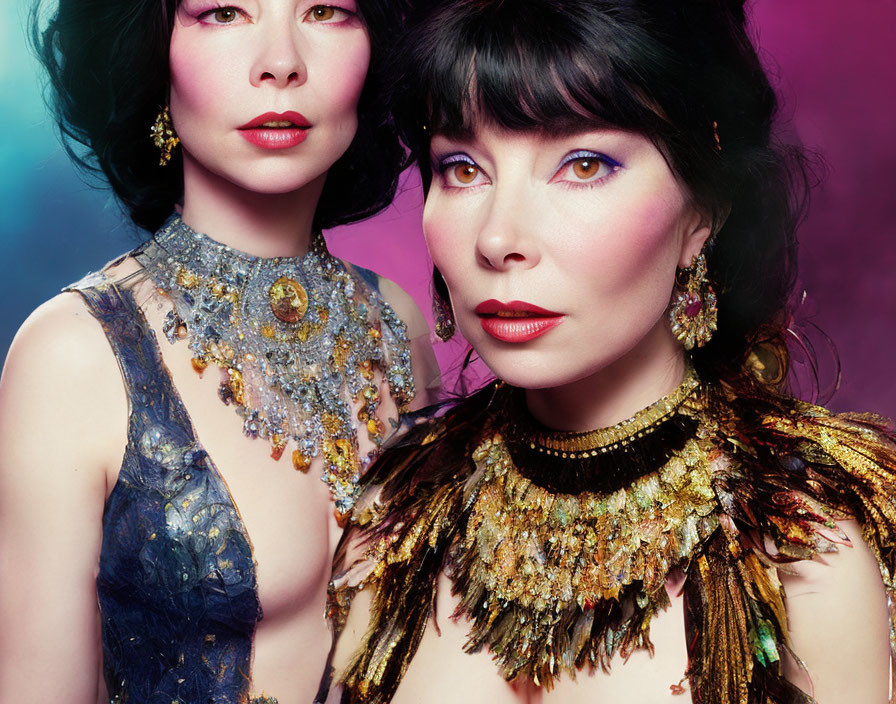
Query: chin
[(528, 369), (274, 179)]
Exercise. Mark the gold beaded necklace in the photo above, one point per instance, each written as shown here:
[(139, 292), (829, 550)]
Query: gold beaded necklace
[(571, 445), (555, 580)]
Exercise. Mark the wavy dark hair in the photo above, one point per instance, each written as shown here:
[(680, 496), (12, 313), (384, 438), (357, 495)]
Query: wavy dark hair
[(667, 70), (107, 62)]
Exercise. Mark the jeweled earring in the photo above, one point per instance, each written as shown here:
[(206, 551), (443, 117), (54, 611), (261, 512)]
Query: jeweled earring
[(163, 135), (694, 310), (445, 326)]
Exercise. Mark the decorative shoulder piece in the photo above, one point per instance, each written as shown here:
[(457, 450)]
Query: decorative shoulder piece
[(850, 461), (559, 575), (802, 470)]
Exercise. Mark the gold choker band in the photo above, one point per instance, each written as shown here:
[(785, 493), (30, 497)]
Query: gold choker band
[(592, 443)]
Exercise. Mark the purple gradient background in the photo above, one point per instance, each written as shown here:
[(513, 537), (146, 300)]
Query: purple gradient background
[(836, 75), (834, 67)]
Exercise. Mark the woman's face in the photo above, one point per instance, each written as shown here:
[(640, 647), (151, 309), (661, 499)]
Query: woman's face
[(559, 251), (264, 93)]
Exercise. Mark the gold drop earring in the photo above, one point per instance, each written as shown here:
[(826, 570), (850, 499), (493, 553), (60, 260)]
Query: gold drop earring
[(694, 310), (445, 325), (163, 135)]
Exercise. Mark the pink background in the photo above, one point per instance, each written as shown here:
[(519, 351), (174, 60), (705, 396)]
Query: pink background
[(833, 62), (834, 66)]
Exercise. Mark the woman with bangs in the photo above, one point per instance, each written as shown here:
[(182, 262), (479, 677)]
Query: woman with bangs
[(635, 510), (128, 491)]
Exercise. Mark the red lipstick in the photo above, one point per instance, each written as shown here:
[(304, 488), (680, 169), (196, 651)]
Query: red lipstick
[(516, 321), (275, 130)]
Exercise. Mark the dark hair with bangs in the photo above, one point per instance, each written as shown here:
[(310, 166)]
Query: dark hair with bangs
[(107, 61), (671, 71)]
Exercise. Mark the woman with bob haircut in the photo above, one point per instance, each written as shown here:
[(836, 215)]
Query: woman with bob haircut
[(155, 545), (636, 510)]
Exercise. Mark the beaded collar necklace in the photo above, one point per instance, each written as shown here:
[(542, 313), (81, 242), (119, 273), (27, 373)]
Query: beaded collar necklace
[(556, 573), (605, 459), (300, 339)]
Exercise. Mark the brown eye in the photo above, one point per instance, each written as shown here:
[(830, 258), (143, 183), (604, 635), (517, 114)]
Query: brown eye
[(585, 168), (225, 15), (323, 13), (465, 173)]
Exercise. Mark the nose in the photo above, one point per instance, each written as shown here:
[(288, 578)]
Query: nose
[(507, 239), (279, 60)]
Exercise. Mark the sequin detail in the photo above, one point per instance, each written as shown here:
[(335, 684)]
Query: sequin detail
[(301, 340), (547, 578), (553, 583), (176, 583)]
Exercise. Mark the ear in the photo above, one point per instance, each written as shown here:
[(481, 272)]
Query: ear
[(696, 231)]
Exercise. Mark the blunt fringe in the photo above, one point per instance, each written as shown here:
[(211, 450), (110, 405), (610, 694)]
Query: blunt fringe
[(667, 70), (107, 63)]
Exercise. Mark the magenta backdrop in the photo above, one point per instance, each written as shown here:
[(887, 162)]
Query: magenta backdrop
[(834, 68), (832, 61)]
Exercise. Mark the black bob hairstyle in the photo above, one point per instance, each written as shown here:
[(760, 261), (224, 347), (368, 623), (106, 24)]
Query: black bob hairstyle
[(107, 62), (667, 70)]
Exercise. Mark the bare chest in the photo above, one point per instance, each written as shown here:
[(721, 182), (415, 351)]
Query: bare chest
[(442, 672), (287, 514)]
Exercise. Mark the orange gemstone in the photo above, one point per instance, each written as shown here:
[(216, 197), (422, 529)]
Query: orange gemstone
[(300, 461), (288, 299), (278, 443), (199, 364)]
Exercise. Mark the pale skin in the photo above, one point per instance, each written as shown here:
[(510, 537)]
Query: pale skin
[(62, 398), (599, 243)]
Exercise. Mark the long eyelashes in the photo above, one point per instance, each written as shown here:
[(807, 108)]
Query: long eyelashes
[(221, 14), (585, 168), (320, 14), (581, 168), (330, 14), (459, 170)]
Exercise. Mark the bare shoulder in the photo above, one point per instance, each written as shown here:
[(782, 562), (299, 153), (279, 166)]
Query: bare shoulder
[(63, 425), (405, 306), (61, 375), (60, 339), (353, 566), (839, 625), (427, 376), (351, 637), (349, 642)]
